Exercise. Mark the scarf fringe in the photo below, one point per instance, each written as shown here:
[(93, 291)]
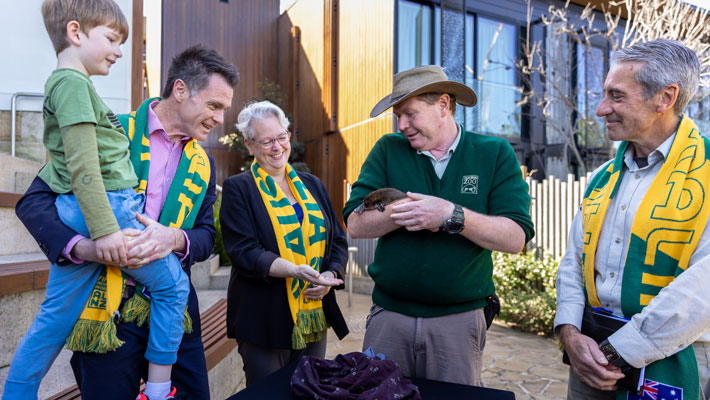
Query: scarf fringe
[(309, 328), (94, 336), (137, 309)]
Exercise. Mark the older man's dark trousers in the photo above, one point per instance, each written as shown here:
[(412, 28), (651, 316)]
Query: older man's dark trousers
[(116, 375)]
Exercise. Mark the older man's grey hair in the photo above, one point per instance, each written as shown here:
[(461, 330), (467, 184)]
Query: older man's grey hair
[(665, 62), (259, 110)]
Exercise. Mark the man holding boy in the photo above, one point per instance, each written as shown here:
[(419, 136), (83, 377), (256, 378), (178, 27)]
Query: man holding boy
[(640, 245), (198, 91), (90, 169)]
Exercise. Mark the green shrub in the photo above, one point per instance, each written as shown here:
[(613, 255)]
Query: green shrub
[(526, 287), (218, 242)]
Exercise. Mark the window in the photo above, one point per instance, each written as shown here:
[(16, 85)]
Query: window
[(698, 108), (591, 65), (489, 56), (470, 113), (416, 28), (496, 81)]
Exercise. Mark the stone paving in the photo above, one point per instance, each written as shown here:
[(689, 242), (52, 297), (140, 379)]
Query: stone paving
[(526, 364)]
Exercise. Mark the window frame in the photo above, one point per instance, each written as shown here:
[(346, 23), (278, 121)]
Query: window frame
[(432, 5), (518, 28)]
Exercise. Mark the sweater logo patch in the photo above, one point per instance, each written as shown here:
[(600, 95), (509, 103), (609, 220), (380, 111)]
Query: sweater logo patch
[(469, 184)]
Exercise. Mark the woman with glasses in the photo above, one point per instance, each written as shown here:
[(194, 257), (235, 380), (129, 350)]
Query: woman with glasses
[(287, 250)]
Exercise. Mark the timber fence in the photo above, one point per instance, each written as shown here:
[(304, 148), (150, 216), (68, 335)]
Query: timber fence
[(553, 205)]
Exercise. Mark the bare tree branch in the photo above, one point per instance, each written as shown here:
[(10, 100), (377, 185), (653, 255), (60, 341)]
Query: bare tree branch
[(648, 20)]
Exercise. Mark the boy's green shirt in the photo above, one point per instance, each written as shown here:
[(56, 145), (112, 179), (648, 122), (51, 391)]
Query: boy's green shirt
[(97, 159), (430, 274)]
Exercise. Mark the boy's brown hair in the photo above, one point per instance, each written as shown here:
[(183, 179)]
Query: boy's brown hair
[(88, 13)]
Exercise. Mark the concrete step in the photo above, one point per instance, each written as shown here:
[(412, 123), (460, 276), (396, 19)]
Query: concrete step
[(30, 126), (16, 258), (200, 272), (17, 174), (219, 279), (14, 238), (15, 179)]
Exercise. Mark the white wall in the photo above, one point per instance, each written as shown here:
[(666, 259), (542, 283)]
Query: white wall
[(27, 58), (153, 16)]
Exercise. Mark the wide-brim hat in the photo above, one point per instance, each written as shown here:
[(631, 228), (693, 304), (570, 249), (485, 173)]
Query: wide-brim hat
[(420, 80)]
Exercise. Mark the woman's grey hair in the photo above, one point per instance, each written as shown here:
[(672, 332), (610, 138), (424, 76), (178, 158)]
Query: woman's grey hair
[(259, 110), (665, 62)]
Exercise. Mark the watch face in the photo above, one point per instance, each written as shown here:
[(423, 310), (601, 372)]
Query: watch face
[(453, 226), (455, 223)]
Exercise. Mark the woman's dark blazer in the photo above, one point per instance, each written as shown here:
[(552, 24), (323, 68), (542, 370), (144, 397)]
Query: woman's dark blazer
[(257, 306)]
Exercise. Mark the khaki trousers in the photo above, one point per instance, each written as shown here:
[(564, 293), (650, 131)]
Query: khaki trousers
[(447, 348)]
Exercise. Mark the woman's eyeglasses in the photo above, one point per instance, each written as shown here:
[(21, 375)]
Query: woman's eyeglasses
[(282, 138)]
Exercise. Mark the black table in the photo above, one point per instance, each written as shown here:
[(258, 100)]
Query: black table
[(278, 386)]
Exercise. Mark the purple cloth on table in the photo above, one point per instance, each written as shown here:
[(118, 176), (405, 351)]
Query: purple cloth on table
[(351, 376)]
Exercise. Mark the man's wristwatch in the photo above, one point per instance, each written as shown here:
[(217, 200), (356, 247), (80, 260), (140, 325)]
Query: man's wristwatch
[(454, 224), (612, 356)]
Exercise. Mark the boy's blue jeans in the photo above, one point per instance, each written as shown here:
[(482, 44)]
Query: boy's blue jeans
[(69, 287)]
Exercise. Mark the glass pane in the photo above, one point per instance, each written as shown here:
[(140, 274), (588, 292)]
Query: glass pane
[(590, 83), (495, 69), (437, 35), (413, 35), (699, 110), (468, 70)]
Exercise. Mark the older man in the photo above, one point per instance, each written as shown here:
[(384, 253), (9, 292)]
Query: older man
[(639, 246), (199, 89), (432, 269)]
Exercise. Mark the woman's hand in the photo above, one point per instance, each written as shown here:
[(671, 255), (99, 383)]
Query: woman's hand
[(281, 268), (318, 291), (308, 274)]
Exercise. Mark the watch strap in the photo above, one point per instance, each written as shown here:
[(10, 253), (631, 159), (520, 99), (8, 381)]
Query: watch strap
[(612, 355), (455, 223)]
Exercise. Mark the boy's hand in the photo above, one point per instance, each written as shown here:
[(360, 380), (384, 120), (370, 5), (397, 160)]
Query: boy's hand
[(112, 248)]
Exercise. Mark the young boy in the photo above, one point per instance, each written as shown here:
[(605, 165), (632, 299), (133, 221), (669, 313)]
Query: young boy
[(90, 168)]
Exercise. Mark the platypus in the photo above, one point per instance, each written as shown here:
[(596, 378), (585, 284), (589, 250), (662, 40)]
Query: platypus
[(379, 198)]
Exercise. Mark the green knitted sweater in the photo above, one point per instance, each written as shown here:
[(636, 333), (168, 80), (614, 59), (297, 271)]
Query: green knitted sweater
[(430, 274)]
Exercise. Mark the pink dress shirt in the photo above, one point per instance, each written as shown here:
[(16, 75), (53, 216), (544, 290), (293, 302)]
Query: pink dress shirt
[(164, 159)]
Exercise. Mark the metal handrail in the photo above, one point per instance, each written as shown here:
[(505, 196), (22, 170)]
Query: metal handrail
[(13, 108)]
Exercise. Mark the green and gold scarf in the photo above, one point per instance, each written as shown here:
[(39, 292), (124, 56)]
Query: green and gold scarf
[(95, 331), (664, 234), (299, 243)]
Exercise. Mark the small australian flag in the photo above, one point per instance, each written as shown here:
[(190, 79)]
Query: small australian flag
[(653, 390)]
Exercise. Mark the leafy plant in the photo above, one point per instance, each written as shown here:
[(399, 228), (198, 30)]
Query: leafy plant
[(526, 287), (218, 242)]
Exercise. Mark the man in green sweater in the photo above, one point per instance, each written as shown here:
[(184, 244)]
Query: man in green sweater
[(433, 269)]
